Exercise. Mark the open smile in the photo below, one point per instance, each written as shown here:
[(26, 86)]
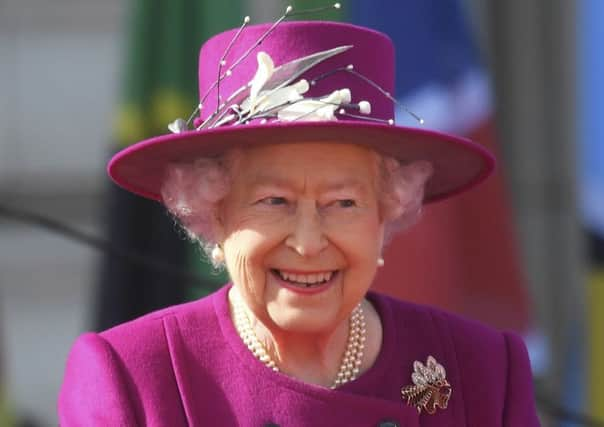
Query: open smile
[(305, 280)]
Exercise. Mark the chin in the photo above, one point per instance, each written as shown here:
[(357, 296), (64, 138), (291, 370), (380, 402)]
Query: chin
[(304, 319)]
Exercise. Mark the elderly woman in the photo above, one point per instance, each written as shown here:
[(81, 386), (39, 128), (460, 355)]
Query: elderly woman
[(293, 178)]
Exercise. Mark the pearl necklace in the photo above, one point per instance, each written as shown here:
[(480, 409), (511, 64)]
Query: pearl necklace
[(351, 360)]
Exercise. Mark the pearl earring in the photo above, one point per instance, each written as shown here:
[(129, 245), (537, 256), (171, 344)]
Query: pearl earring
[(380, 262), (217, 254)]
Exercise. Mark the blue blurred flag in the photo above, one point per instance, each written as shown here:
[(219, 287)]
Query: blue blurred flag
[(591, 107), (439, 74)]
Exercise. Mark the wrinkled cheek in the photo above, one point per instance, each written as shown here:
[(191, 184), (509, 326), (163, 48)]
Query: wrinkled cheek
[(245, 262), (362, 250), (362, 243)]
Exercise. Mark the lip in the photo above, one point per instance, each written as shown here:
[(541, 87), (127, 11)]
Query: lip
[(305, 291), (304, 271)]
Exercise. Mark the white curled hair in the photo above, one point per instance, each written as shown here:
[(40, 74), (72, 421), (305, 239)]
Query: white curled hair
[(401, 193), (192, 193)]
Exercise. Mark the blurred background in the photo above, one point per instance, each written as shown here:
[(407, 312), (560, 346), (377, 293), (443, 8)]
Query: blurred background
[(80, 79)]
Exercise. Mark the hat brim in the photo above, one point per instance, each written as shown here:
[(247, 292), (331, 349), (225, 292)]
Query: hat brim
[(458, 163)]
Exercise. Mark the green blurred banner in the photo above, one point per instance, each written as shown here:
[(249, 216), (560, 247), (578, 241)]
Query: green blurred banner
[(159, 85)]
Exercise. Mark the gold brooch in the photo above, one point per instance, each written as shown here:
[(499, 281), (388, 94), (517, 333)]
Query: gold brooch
[(430, 387)]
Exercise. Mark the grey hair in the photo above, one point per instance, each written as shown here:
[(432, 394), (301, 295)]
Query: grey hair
[(192, 193)]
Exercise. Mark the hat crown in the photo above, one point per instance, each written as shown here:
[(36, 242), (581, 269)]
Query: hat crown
[(371, 54)]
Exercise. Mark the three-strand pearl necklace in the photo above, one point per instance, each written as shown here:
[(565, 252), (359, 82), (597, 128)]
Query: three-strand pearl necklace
[(351, 360)]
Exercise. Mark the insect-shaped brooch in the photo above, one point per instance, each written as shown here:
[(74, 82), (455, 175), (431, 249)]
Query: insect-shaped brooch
[(430, 387)]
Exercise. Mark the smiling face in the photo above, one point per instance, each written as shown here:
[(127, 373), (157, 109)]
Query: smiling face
[(302, 233)]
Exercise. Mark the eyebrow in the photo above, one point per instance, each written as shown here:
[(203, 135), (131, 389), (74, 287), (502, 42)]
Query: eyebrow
[(269, 181), (337, 185), (344, 185)]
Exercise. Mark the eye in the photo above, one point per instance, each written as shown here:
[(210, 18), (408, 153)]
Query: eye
[(273, 201), (346, 203)]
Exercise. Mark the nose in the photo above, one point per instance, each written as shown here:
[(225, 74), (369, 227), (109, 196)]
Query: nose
[(307, 237)]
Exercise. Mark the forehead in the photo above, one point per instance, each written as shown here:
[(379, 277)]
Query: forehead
[(312, 163)]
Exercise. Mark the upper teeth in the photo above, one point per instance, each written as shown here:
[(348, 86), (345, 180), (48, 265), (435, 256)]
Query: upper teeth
[(306, 278)]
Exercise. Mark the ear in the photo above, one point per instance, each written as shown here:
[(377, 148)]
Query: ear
[(218, 227), (381, 236)]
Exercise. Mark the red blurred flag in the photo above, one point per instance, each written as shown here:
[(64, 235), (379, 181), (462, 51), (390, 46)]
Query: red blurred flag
[(463, 254)]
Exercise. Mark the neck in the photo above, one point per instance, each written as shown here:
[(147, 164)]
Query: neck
[(311, 357)]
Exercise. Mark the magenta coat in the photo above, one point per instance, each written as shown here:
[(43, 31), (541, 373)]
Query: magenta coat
[(186, 366)]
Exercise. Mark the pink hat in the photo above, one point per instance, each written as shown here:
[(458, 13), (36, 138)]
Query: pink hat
[(299, 82)]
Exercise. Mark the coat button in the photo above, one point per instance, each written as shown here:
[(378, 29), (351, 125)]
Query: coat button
[(388, 424)]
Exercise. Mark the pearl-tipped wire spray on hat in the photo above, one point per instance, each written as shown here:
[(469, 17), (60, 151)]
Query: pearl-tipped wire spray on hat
[(289, 11)]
